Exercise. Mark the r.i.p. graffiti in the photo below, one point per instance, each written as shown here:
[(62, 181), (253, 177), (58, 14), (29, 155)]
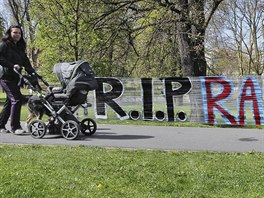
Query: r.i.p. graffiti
[(216, 95), (110, 97)]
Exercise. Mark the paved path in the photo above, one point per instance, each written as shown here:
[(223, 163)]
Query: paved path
[(157, 137)]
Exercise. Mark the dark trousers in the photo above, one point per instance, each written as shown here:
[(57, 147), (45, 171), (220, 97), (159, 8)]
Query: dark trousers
[(12, 105)]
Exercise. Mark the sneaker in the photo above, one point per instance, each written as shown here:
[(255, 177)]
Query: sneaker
[(3, 130), (19, 131)]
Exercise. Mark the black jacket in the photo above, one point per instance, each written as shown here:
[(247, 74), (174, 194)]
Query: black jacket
[(10, 55)]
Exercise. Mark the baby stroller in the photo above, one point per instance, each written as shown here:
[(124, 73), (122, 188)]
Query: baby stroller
[(77, 79)]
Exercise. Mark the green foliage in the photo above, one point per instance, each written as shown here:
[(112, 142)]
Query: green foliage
[(61, 33), (118, 39)]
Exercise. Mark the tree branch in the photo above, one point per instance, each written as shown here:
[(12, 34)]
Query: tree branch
[(169, 5), (216, 3)]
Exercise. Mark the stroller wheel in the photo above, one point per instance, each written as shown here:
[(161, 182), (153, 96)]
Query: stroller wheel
[(70, 130), (88, 126), (37, 129)]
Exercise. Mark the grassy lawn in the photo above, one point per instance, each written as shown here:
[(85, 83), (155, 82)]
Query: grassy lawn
[(62, 171)]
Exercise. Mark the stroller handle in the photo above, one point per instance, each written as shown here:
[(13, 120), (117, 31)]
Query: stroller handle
[(40, 77), (34, 74)]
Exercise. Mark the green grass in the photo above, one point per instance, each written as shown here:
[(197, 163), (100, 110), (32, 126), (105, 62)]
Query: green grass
[(62, 171)]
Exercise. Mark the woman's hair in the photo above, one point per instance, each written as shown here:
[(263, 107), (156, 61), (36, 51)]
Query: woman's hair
[(7, 37)]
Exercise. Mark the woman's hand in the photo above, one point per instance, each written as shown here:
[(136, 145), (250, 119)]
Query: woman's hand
[(17, 67)]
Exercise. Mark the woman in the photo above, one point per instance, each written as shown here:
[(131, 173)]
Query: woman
[(13, 56)]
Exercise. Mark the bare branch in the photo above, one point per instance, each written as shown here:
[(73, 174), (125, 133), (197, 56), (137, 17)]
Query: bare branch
[(168, 4), (216, 3)]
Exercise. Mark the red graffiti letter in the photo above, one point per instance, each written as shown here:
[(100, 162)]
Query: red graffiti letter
[(248, 94), (214, 100)]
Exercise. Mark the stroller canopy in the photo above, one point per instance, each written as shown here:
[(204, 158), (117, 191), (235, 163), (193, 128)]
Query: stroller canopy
[(77, 79), (68, 71)]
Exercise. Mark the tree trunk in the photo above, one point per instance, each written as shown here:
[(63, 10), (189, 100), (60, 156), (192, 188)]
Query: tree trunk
[(191, 31), (184, 38)]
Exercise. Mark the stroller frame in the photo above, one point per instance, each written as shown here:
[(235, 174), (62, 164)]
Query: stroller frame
[(69, 129)]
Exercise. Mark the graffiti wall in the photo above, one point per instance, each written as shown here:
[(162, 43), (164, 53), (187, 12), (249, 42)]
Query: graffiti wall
[(211, 100)]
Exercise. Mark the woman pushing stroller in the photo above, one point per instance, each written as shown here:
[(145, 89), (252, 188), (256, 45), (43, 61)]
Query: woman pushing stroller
[(13, 56)]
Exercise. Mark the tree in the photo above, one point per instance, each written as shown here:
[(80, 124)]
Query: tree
[(62, 34), (241, 33), (191, 27), (110, 37), (191, 18)]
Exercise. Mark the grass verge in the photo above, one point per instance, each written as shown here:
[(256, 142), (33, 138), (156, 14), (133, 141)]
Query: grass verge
[(62, 171)]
